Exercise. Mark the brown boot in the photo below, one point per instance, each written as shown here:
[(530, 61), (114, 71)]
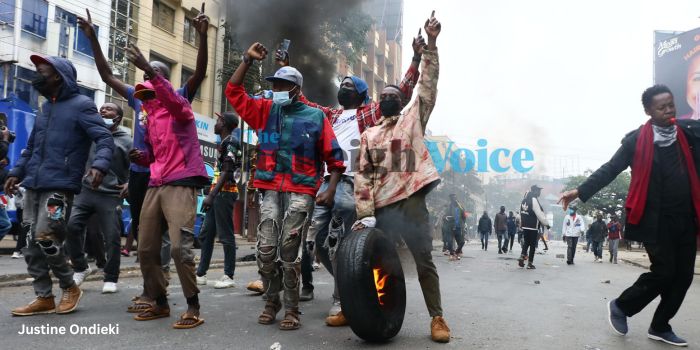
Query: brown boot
[(39, 306), (337, 320), (69, 300), (439, 331)]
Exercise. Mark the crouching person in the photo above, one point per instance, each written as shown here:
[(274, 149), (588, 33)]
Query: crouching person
[(51, 168), (295, 141)]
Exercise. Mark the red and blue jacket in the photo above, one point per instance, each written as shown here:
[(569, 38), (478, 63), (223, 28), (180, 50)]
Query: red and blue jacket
[(294, 142)]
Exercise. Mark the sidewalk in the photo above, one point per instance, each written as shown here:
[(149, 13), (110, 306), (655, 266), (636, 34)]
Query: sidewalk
[(13, 272)]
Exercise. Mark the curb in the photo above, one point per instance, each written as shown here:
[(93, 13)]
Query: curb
[(23, 279), (646, 267)]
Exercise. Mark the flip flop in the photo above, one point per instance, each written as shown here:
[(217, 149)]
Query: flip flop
[(188, 317), (150, 314), (139, 307), (290, 322)]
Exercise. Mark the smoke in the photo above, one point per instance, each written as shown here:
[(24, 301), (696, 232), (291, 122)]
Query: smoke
[(301, 21)]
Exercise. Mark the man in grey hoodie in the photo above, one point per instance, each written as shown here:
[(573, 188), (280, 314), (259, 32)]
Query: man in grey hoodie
[(102, 201)]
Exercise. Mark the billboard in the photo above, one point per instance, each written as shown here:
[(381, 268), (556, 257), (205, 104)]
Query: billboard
[(677, 65)]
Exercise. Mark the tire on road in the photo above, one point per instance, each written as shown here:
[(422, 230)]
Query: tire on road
[(359, 254)]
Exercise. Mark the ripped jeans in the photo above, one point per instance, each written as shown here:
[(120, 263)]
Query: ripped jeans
[(283, 221), (45, 218)]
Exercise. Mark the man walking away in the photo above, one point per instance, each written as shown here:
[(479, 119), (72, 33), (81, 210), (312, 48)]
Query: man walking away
[(485, 227), (599, 230), (500, 223), (573, 227), (614, 236), (455, 227), (51, 168), (532, 217)]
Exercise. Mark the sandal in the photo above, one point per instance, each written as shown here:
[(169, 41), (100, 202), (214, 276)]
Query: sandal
[(291, 321), (269, 313), (188, 317), (139, 306), (153, 313)]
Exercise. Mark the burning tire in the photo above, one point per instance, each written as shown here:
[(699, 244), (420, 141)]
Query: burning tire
[(371, 285)]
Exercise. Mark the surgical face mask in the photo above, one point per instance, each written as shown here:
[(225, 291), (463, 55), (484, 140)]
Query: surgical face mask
[(282, 97), (390, 108), (109, 122), (571, 212)]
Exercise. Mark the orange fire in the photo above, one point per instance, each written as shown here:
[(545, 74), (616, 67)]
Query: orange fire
[(379, 283)]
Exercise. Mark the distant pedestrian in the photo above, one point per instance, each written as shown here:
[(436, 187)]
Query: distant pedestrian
[(598, 231), (512, 224), (501, 226), (455, 227), (485, 227), (573, 227), (614, 236), (532, 218)]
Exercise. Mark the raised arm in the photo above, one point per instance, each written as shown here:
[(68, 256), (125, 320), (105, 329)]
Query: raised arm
[(252, 111), (201, 23), (365, 181), (100, 61)]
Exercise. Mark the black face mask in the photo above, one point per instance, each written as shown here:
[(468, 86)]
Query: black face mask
[(390, 108), (41, 84), (347, 97)]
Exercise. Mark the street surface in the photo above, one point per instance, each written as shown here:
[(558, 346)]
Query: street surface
[(489, 303)]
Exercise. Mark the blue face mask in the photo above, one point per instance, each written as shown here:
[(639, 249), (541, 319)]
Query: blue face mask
[(109, 122), (282, 97), (571, 212), (218, 139)]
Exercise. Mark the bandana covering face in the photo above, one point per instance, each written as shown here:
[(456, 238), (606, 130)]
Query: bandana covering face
[(664, 136)]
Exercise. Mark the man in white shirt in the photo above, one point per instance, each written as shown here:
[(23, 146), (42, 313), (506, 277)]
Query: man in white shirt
[(573, 227)]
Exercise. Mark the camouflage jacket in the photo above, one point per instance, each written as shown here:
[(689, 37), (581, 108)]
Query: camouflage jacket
[(394, 161)]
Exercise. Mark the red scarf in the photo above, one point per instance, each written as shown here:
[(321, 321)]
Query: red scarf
[(641, 173)]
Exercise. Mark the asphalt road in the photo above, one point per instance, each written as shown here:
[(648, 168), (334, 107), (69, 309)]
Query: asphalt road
[(489, 303)]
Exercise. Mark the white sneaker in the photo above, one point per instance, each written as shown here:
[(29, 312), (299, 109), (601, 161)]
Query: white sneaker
[(335, 309), (202, 280), (316, 266), (79, 277), (109, 287), (224, 282), (17, 255)]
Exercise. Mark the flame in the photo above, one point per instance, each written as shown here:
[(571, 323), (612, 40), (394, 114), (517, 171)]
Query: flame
[(379, 284)]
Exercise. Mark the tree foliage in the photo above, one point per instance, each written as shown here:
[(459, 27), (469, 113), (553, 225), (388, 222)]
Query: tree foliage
[(610, 200)]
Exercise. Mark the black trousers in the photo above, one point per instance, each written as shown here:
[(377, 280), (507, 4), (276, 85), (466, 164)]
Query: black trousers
[(671, 272), (529, 244), (571, 243)]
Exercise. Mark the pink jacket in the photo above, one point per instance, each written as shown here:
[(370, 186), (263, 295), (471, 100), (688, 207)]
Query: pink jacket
[(172, 146)]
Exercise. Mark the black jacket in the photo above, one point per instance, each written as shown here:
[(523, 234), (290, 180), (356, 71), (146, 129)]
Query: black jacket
[(598, 231), (648, 228), (485, 224)]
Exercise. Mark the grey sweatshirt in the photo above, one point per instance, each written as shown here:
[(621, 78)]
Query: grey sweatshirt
[(118, 173)]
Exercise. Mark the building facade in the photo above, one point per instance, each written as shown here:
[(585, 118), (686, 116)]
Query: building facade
[(43, 27)]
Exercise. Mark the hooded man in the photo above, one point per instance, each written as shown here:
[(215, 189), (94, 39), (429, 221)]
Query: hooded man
[(599, 230), (295, 142), (103, 202), (573, 227), (330, 224), (391, 188), (455, 227), (663, 208), (52, 168), (532, 219)]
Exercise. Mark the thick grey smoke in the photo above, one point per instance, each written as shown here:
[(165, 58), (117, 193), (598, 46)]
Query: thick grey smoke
[(270, 21)]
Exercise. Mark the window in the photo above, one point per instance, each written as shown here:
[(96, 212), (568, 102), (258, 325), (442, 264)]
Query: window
[(185, 76), (23, 86), (190, 34), (7, 12), (34, 13), (123, 29), (163, 16), (80, 42)]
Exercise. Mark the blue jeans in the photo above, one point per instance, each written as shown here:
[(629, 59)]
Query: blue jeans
[(327, 239), (5, 224), (597, 248), (219, 220)]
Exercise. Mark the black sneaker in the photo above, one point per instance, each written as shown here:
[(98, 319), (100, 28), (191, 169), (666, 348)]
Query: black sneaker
[(530, 267), (667, 337), (618, 319), (306, 295), (569, 262), (521, 262)]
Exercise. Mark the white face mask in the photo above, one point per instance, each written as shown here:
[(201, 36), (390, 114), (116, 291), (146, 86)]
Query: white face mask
[(282, 97), (109, 122)]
